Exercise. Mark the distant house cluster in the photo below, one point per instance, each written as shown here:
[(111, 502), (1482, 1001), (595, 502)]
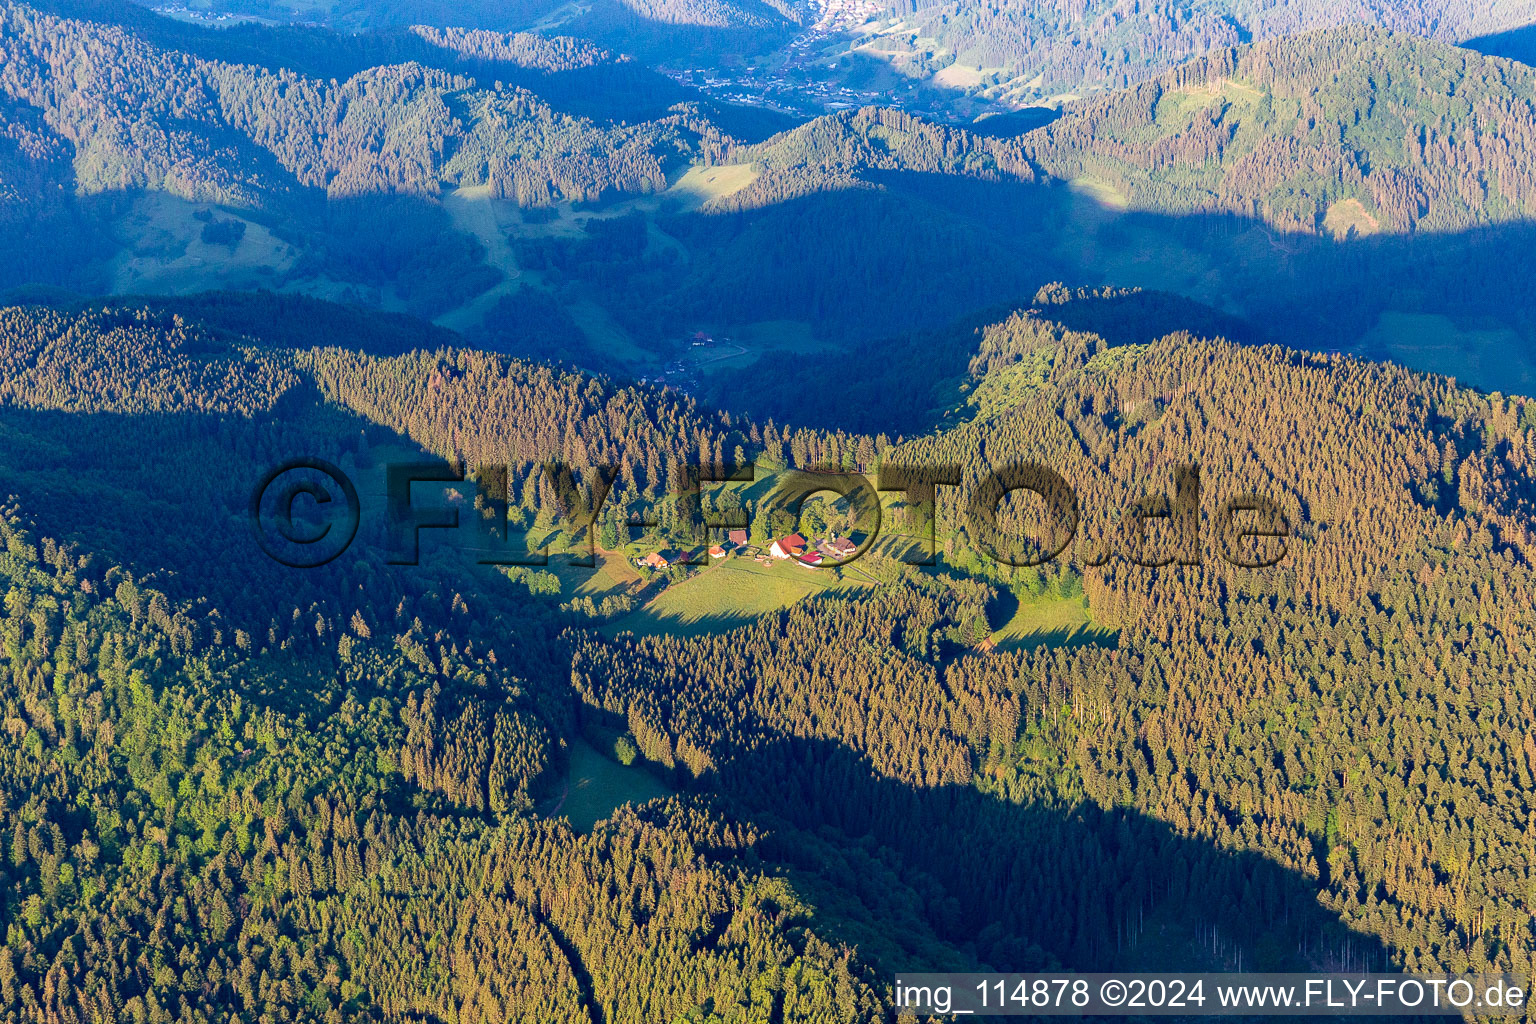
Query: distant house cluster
[(793, 547), (799, 77), (682, 373), (825, 549), (661, 560)]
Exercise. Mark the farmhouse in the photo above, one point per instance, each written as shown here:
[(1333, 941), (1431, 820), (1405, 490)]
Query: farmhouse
[(656, 560), (738, 538), (787, 547), (839, 548), (716, 551), (810, 560)]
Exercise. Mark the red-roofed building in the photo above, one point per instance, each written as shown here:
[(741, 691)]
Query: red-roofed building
[(788, 547)]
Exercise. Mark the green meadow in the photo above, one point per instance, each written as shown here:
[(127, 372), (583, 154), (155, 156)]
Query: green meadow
[(727, 594), (597, 785)]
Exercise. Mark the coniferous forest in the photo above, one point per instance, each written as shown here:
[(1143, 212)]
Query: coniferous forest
[(715, 669)]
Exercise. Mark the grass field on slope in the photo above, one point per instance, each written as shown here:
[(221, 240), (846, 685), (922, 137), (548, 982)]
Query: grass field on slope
[(726, 595), (598, 785), (1048, 619)]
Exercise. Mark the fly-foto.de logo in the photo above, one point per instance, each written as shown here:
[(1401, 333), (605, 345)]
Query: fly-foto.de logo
[(305, 512)]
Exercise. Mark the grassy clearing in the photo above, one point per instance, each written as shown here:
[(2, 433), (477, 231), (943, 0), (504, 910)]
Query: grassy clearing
[(559, 16), (780, 335), (1138, 254), (1178, 104), (557, 221), (752, 342), (728, 594), (959, 76), (1348, 217), (686, 191), (1048, 619), (613, 574), (1102, 193), (598, 785), (606, 335), (163, 251), (701, 184)]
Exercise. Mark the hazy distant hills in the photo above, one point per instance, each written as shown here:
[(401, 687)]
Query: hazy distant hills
[(1345, 188), (1041, 48), (507, 15), (220, 116), (1020, 51), (95, 116), (655, 28), (1346, 130), (480, 178)]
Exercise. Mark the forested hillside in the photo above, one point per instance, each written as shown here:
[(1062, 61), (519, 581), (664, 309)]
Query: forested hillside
[(486, 179), (177, 850), (319, 802), (568, 762), (328, 818), (1310, 713), (710, 28), (1034, 49), (139, 116), (1407, 132), (1018, 52), (1318, 187), (1349, 131), (344, 171)]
